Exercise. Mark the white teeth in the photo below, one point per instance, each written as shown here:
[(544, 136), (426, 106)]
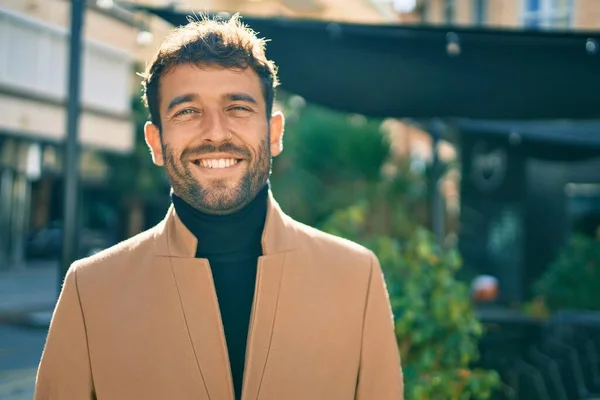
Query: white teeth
[(217, 163)]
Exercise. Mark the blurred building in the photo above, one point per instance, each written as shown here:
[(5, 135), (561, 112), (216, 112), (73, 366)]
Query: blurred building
[(509, 14), (118, 42), (365, 11), (517, 204), (533, 14), (33, 93), (520, 202)]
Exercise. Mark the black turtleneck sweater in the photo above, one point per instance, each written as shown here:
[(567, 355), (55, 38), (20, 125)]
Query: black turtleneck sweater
[(232, 245)]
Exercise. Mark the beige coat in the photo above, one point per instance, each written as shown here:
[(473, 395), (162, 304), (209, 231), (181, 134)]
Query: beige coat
[(141, 321)]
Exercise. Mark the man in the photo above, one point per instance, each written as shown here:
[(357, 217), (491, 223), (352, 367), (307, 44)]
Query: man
[(227, 297)]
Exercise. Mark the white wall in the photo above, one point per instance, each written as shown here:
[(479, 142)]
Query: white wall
[(33, 59)]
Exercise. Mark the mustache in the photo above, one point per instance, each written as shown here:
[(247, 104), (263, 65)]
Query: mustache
[(226, 147)]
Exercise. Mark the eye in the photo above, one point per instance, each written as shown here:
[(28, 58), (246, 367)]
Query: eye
[(240, 108), (187, 111)]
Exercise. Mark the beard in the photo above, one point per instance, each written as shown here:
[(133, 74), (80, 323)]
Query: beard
[(218, 196)]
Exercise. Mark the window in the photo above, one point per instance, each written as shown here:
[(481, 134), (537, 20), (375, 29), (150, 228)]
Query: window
[(480, 12), (547, 13), (449, 8)]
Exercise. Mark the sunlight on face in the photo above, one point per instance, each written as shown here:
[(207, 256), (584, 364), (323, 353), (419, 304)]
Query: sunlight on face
[(215, 138)]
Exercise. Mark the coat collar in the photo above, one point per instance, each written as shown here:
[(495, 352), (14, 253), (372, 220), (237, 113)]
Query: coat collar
[(173, 239), (196, 291)]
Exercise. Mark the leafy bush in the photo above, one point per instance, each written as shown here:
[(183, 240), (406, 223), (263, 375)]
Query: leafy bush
[(573, 280), (436, 327)]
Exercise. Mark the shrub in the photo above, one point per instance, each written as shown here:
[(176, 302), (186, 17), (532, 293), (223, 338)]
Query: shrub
[(436, 327), (573, 279)]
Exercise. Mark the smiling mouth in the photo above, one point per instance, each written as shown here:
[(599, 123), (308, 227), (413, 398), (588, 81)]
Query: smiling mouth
[(216, 163)]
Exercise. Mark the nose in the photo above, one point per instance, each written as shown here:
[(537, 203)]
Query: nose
[(215, 128)]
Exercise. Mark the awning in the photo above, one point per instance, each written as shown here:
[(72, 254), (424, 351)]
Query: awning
[(582, 133), (551, 140), (425, 72)]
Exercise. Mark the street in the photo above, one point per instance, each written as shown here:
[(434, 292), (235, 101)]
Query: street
[(20, 350)]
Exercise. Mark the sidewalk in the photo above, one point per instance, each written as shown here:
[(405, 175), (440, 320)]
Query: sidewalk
[(18, 384), (28, 293)]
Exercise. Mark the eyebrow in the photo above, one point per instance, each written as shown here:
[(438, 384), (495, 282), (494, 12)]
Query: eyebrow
[(240, 97), (189, 97), (184, 98)]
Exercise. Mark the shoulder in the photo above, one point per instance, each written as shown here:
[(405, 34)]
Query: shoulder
[(323, 244), (341, 265), (135, 247)]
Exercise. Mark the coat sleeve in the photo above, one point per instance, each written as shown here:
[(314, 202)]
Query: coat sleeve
[(64, 371), (380, 374)]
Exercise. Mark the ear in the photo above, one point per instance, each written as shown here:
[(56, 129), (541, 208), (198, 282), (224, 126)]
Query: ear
[(153, 140), (276, 131)]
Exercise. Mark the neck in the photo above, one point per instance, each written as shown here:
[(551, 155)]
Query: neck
[(225, 233)]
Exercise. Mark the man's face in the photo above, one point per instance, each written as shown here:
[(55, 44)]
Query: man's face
[(216, 142)]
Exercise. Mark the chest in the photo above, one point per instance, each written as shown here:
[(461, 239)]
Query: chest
[(163, 337)]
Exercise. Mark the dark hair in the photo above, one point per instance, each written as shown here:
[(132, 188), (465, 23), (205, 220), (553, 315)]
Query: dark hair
[(229, 44)]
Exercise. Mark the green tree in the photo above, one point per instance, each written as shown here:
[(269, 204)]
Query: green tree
[(326, 152)]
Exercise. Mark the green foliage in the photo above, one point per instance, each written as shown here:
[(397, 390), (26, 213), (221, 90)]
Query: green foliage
[(326, 152), (436, 327), (573, 280)]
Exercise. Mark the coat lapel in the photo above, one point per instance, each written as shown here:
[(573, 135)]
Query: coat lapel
[(200, 307), (198, 297), (278, 243), (270, 270)]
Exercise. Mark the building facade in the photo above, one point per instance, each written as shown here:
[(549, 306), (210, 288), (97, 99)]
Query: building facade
[(33, 95), (528, 14), (118, 42), (364, 11)]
